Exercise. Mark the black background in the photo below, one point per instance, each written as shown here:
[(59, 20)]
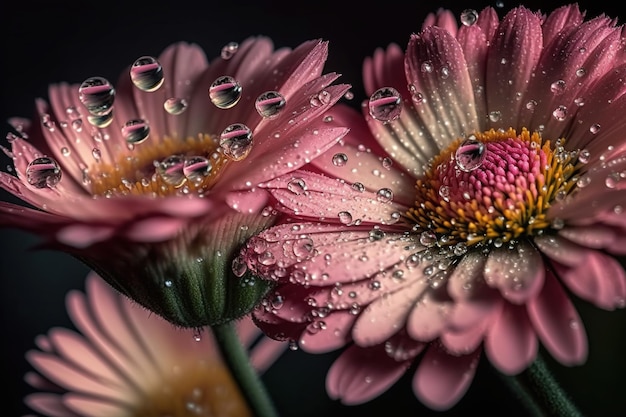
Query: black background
[(42, 43)]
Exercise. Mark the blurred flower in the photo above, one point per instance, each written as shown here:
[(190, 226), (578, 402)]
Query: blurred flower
[(153, 182), (128, 362), (495, 180)]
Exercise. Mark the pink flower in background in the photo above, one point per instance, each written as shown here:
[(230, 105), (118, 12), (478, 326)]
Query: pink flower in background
[(154, 181), (486, 180), (127, 362)]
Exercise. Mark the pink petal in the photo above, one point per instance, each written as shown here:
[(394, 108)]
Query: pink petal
[(251, 201), (387, 315), (600, 279), (511, 344), (333, 334), (560, 249), (428, 317), (359, 374), (155, 229), (464, 341), (265, 353), (94, 406), (518, 273), (442, 379), (518, 43), (557, 323), (564, 18), (81, 236), (595, 237), (49, 404)]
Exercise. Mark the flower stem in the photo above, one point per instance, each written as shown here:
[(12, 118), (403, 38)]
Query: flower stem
[(537, 388), (248, 380)]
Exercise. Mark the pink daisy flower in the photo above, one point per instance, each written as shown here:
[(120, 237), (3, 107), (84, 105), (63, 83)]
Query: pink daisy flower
[(486, 182), (128, 362), (154, 181)]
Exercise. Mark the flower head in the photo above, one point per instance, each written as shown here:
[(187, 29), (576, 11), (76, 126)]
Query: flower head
[(127, 362), (486, 179), (153, 182)]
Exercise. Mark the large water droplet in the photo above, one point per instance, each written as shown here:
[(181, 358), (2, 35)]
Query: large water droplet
[(384, 195), (340, 159), (225, 92), (236, 141), (345, 217), (175, 106), (196, 168), (147, 74), (171, 170), (229, 50), (557, 87), (469, 17), (97, 95), (385, 104), (43, 172), (560, 113), (470, 154), (135, 131), (269, 104), (101, 121)]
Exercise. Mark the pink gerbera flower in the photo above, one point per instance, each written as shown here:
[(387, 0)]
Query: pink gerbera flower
[(491, 182), (153, 182), (127, 362)]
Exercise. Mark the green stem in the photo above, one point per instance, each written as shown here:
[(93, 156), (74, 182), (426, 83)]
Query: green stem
[(248, 380), (537, 388)]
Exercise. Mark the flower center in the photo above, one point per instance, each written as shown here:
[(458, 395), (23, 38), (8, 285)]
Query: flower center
[(168, 167), (493, 187), (202, 388)]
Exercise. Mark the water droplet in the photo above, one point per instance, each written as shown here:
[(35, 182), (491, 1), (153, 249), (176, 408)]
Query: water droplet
[(296, 186), (135, 131), (470, 154), (557, 87), (97, 95), (387, 163), (579, 101), (171, 170), (531, 105), (175, 106), (560, 113), (168, 283), (611, 180), (357, 186), (269, 104), (303, 248), (376, 234), (340, 159), (385, 104), (427, 66), (100, 121), (146, 73), (77, 125), (495, 115), (444, 192), (384, 195), (43, 172), (197, 334), (580, 72), (225, 92), (583, 156), (196, 168), (469, 17), (96, 153), (428, 238), (65, 151), (236, 141), (594, 128), (345, 217), (239, 266), (229, 50)]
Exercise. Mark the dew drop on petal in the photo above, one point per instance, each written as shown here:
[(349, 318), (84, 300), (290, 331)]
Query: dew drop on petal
[(135, 131), (171, 170), (340, 159), (494, 116), (560, 113), (583, 156), (100, 121), (270, 104), (427, 66), (384, 195), (469, 17), (428, 238), (236, 141), (229, 50), (385, 104), (444, 192), (43, 172), (611, 180), (531, 105), (303, 247), (345, 217), (297, 186), (146, 74), (225, 92), (97, 95), (196, 168), (357, 186), (594, 128), (557, 87), (175, 106), (470, 154)]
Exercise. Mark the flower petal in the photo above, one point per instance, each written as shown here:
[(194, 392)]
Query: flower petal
[(361, 374), (511, 344), (333, 334), (442, 379), (557, 323)]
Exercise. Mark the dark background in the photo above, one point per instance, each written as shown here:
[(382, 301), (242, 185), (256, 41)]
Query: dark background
[(42, 43)]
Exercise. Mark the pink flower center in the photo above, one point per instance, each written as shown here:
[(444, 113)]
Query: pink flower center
[(493, 187)]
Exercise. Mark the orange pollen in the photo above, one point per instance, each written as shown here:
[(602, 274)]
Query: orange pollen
[(165, 167), (494, 187)]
